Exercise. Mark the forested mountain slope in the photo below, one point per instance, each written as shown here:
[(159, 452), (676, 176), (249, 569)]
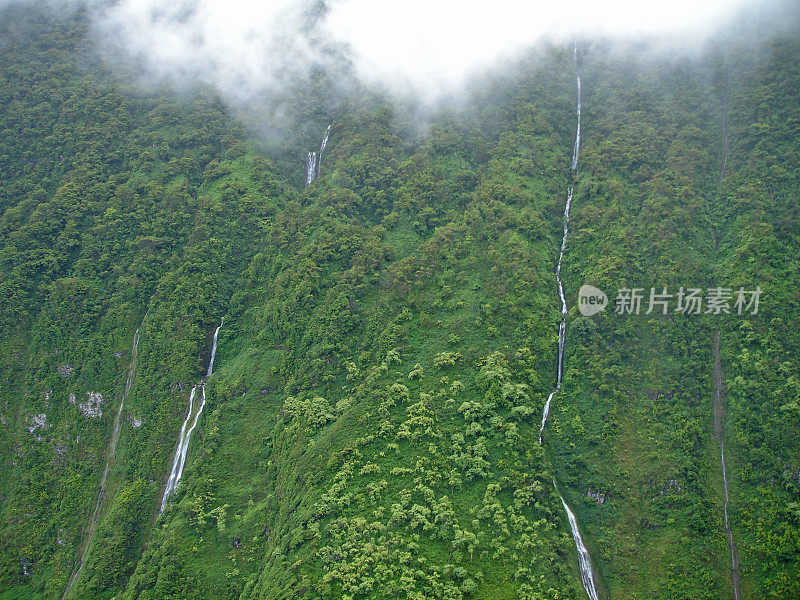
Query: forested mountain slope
[(371, 426)]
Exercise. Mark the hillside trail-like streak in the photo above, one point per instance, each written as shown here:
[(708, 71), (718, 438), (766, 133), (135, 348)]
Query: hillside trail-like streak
[(110, 455), (584, 560)]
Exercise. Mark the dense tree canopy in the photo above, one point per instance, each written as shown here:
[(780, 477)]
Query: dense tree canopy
[(390, 333)]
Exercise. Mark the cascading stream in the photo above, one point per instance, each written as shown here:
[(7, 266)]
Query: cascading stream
[(110, 455), (584, 560), (322, 149), (577, 148), (172, 481), (567, 205), (314, 159), (179, 461), (311, 167), (214, 349)]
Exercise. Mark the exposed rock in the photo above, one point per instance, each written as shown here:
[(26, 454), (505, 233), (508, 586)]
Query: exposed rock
[(135, 423), (671, 486), (65, 370), (598, 497), (37, 422), (91, 408)]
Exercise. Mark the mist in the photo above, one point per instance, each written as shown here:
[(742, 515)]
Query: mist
[(288, 65), (433, 47), (426, 49)]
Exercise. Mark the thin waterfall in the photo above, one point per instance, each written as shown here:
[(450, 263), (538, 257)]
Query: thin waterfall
[(584, 560), (546, 413), (311, 167), (172, 481), (314, 159), (179, 461), (562, 327), (322, 149), (183, 444), (577, 148), (110, 455), (214, 349)]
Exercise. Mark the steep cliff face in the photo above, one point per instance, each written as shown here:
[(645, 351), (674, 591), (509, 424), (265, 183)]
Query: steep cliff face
[(373, 423)]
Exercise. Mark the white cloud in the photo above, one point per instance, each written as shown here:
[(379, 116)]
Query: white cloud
[(426, 47), (237, 45), (438, 42)]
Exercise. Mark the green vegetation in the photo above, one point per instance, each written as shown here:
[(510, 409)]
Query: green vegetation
[(390, 335)]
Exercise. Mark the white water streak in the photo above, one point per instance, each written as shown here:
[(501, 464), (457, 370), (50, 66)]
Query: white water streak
[(584, 562), (172, 481), (562, 327), (311, 167), (214, 349), (577, 149), (185, 436), (184, 448), (322, 149), (314, 160), (546, 413)]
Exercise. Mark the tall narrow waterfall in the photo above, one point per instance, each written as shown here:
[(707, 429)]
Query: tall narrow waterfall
[(322, 149), (179, 461), (584, 560), (214, 349), (311, 167), (172, 481), (562, 327), (110, 455), (314, 159)]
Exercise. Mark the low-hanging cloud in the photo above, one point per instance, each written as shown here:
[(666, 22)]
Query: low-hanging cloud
[(244, 46), (436, 45), (238, 46)]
